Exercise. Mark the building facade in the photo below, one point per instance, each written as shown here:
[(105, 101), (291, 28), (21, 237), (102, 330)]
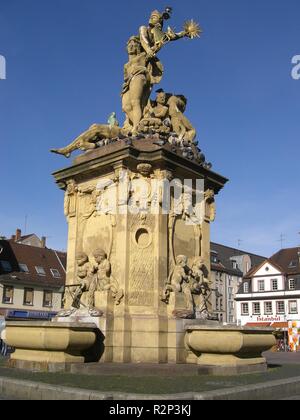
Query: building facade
[(32, 280), (270, 293), (229, 265)]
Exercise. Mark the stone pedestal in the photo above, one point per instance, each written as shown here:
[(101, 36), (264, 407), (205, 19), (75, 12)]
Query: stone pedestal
[(141, 247)]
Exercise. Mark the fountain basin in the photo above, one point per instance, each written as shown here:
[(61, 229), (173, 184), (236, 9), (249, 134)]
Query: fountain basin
[(47, 343), (226, 350)]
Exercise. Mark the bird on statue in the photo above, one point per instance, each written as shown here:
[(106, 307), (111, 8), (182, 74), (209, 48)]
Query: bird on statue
[(112, 120)]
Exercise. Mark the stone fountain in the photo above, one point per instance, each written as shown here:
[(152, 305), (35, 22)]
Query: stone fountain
[(139, 203)]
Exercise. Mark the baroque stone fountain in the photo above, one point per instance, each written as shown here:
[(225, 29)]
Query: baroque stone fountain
[(139, 203)]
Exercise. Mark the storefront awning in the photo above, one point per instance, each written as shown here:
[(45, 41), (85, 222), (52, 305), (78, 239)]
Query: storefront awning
[(258, 324), (280, 325)]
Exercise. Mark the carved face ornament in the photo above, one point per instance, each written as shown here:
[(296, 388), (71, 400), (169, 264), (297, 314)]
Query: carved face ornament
[(144, 169)]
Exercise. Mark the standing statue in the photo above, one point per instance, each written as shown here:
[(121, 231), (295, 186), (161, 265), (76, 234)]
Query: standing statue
[(153, 38), (140, 74), (70, 199), (144, 69)]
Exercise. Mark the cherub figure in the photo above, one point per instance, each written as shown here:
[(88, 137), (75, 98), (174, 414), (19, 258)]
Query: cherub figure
[(85, 277), (181, 125), (201, 283), (105, 281), (179, 282)]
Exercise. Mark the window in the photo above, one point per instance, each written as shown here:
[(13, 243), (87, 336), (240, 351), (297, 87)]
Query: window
[(246, 287), (256, 308), (230, 293), (293, 264), (235, 265), (293, 307), (28, 297), (8, 295), (55, 273), (6, 266), (48, 298), (231, 306), (245, 308), (292, 284), (214, 257), (274, 284), (268, 308), (261, 285), (23, 268), (231, 319), (40, 271), (280, 307)]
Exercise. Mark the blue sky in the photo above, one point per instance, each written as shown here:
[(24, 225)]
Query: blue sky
[(64, 72)]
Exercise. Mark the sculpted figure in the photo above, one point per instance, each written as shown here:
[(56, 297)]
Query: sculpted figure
[(70, 199), (201, 283), (85, 277), (140, 74), (88, 140), (181, 125), (179, 282), (210, 203), (105, 280), (92, 195), (156, 115), (153, 38)]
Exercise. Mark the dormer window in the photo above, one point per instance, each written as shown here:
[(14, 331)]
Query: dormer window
[(293, 264), (41, 271), (214, 257), (235, 265), (246, 288), (23, 268), (292, 284), (55, 273)]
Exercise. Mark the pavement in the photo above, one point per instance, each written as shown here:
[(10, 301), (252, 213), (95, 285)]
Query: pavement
[(282, 384), (282, 358)]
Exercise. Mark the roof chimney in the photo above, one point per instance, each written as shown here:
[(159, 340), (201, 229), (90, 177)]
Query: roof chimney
[(44, 240), (18, 234)]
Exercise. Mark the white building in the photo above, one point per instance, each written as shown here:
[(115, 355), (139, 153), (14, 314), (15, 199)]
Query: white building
[(270, 293)]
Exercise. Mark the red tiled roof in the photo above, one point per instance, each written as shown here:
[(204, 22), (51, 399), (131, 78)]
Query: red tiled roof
[(16, 254), (285, 257)]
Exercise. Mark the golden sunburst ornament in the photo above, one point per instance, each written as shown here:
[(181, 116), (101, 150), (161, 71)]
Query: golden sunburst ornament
[(192, 29)]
